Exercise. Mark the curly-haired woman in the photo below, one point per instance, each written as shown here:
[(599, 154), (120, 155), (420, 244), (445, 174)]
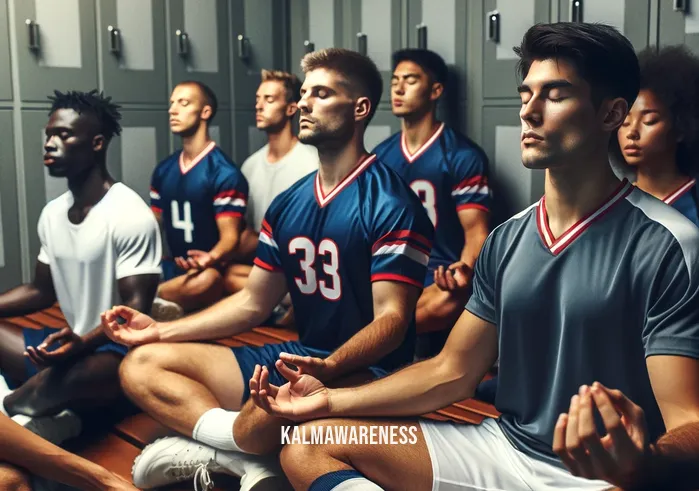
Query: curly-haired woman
[(660, 136)]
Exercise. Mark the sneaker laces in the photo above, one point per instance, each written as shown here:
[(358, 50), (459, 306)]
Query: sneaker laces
[(202, 478)]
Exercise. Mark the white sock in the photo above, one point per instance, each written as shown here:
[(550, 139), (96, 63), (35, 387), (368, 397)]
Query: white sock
[(215, 428)]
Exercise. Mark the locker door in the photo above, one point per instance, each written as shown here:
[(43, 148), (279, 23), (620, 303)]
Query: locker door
[(383, 125), (143, 143), (199, 39), (374, 29), (220, 131), (133, 50), (10, 247), (259, 31), (679, 24), (505, 22), (315, 25), (439, 25), (248, 138), (5, 73), (57, 46), (514, 186), (631, 17)]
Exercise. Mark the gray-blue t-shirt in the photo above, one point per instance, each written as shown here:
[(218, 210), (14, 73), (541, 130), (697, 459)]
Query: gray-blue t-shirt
[(620, 285)]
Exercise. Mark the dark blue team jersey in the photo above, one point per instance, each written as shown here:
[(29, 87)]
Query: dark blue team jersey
[(331, 248), (686, 201), (449, 173), (191, 200)]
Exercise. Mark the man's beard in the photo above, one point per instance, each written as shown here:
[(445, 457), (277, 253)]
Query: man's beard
[(321, 136)]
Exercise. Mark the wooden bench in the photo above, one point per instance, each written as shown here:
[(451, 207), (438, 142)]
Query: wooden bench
[(118, 447)]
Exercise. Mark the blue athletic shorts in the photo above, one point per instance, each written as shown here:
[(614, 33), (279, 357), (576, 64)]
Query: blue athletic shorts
[(34, 337), (267, 355)]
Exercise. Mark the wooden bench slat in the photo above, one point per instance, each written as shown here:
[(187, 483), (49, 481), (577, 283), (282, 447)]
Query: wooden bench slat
[(112, 453), (462, 415), (141, 429), (279, 333), (55, 312), (46, 320), (22, 322), (478, 407), (255, 339), (231, 343)]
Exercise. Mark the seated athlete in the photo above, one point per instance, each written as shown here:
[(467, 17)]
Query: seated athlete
[(199, 197), (589, 296), (273, 168), (449, 173), (660, 136), (350, 243), (22, 452), (99, 245)]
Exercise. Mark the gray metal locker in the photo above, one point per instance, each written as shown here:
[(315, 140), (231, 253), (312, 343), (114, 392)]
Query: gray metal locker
[(247, 137), (439, 25), (143, 143), (631, 17), (383, 125), (314, 25), (221, 132), (10, 247), (57, 48), (259, 30), (679, 24), (514, 186), (5, 73), (199, 38), (373, 27), (505, 22), (134, 64)]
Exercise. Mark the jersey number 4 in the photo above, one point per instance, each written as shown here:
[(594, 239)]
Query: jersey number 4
[(331, 289), (427, 194), (185, 223)]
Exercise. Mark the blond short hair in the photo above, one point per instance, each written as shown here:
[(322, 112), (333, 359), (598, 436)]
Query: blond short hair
[(291, 82)]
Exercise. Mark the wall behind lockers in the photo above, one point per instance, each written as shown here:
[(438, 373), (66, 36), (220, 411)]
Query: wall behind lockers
[(135, 50)]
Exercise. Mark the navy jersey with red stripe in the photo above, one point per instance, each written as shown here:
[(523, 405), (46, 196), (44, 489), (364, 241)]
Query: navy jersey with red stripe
[(686, 200), (370, 227), (449, 173), (190, 200)]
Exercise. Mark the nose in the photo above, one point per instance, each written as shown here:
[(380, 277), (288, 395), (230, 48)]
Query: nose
[(530, 113), (303, 104), (50, 144), (398, 88), (632, 132), (172, 111), (258, 106)]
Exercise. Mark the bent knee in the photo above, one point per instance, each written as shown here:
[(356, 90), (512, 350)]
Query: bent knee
[(141, 361), (13, 479), (202, 283), (295, 456)]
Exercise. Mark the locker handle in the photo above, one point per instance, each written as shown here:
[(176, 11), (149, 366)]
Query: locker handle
[(114, 40), (680, 6), (494, 26), (362, 43), (33, 29), (309, 46), (182, 42), (421, 36), (576, 10), (243, 47)]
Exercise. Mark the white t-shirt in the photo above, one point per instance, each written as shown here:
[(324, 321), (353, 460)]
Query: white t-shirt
[(267, 180), (119, 237)]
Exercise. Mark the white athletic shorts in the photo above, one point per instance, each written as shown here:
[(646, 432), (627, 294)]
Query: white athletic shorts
[(480, 457)]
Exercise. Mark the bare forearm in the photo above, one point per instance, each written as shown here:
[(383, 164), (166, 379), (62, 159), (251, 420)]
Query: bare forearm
[(225, 248), (369, 345), (674, 459), (230, 316), (25, 299), (415, 390), (474, 244), (23, 448)]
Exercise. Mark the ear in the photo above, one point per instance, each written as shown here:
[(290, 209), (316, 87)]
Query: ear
[(205, 113), (291, 109), (99, 143), (437, 91), (362, 108), (614, 111)]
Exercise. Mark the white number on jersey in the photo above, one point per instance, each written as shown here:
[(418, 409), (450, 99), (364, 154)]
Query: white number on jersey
[(185, 223), (332, 289), (427, 194)]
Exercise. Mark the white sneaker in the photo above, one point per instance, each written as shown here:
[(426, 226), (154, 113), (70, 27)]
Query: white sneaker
[(174, 459), (55, 429), (257, 473), (164, 310)]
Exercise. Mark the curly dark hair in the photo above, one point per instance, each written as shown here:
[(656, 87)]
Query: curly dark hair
[(93, 103), (672, 75)]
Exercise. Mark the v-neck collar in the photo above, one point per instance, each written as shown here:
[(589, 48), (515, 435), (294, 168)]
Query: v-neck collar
[(196, 159), (322, 199), (555, 246), (412, 157), (675, 195)]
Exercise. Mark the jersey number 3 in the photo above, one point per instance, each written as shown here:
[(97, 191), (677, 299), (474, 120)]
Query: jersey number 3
[(185, 223), (308, 285), (427, 194)]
